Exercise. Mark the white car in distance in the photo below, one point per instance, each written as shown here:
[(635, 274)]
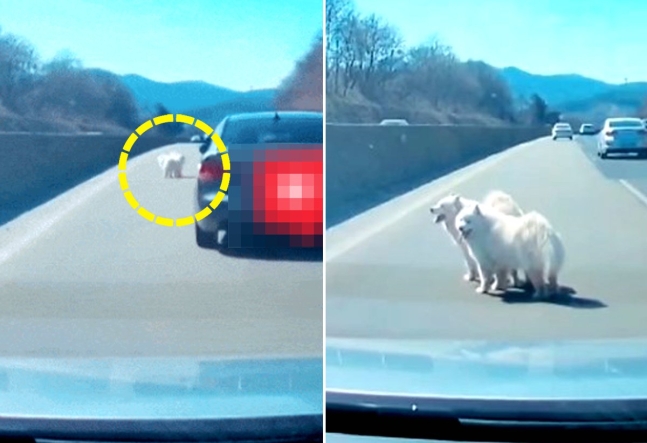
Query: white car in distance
[(394, 122), (562, 130), (622, 135)]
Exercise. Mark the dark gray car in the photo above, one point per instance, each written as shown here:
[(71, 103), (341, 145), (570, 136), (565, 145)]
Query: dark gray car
[(251, 139)]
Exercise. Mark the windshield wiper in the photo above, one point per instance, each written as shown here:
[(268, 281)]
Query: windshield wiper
[(486, 420), (293, 429)]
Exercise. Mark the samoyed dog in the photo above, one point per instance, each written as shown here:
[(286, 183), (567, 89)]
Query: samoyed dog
[(501, 243), (446, 210), (171, 163)]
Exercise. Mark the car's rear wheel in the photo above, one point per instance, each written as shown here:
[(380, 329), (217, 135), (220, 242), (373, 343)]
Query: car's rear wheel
[(205, 239), (603, 155)]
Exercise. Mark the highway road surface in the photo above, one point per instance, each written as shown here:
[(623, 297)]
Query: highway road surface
[(84, 275), (393, 274)]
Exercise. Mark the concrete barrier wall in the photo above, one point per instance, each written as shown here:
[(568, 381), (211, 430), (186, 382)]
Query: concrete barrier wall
[(368, 164), (35, 168)]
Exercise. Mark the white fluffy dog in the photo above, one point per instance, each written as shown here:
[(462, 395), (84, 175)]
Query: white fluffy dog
[(501, 242), (446, 210), (171, 163)]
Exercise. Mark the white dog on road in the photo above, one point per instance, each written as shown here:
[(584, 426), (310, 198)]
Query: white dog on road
[(171, 163), (501, 242), (446, 210)]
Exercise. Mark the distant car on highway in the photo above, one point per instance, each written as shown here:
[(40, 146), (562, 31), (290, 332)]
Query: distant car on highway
[(197, 138), (622, 135), (562, 130), (587, 129), (394, 122), (270, 154)]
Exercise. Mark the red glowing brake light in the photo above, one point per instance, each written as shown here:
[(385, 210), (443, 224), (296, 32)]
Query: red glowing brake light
[(210, 171)]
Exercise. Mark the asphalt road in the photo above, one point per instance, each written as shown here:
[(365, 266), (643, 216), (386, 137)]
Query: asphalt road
[(392, 274), (85, 275)]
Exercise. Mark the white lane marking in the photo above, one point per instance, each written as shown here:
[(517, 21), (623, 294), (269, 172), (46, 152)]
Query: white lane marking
[(631, 188), (40, 219), (444, 185)]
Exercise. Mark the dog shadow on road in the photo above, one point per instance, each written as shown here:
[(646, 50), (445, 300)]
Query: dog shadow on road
[(565, 297)]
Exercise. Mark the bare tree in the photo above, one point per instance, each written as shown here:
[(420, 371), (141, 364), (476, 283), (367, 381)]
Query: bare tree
[(366, 59), (339, 15), (303, 89), (18, 65)]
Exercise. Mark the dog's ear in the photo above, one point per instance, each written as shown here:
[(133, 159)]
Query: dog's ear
[(477, 209)]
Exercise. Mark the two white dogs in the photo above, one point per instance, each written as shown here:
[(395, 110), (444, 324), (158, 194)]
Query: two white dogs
[(497, 239), (171, 163), (446, 211)]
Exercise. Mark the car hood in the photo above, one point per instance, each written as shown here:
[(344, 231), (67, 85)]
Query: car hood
[(611, 369), (151, 388)]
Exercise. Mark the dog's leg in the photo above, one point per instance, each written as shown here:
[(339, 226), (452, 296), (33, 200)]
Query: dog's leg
[(485, 278), (472, 273), (526, 285), (501, 282), (536, 277), (553, 287), (515, 278)]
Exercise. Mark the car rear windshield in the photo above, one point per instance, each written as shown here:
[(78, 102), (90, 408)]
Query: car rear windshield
[(563, 126), (259, 131), (626, 124)]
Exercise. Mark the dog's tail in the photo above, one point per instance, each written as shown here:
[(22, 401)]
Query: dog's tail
[(161, 159), (544, 241), (502, 202)]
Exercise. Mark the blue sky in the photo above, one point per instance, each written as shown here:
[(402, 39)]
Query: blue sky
[(238, 44), (602, 39)]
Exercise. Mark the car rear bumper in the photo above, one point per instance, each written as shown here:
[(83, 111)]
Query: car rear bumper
[(213, 222), (244, 231), (563, 135), (612, 150)]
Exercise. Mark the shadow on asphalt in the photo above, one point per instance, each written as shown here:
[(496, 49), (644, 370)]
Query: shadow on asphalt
[(566, 297), (626, 158), (283, 254)]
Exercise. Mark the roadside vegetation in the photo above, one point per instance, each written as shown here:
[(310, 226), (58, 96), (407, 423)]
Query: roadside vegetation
[(59, 95), (302, 90), (371, 75)]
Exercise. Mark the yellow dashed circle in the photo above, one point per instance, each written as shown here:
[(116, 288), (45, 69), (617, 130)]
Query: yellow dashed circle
[(160, 120)]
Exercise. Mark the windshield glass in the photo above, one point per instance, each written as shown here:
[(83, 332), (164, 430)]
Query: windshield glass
[(475, 235), (114, 236), (266, 129), (626, 124)]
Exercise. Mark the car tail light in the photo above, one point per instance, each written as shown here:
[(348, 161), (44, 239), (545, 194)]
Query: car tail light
[(610, 133), (210, 171), (290, 182)]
